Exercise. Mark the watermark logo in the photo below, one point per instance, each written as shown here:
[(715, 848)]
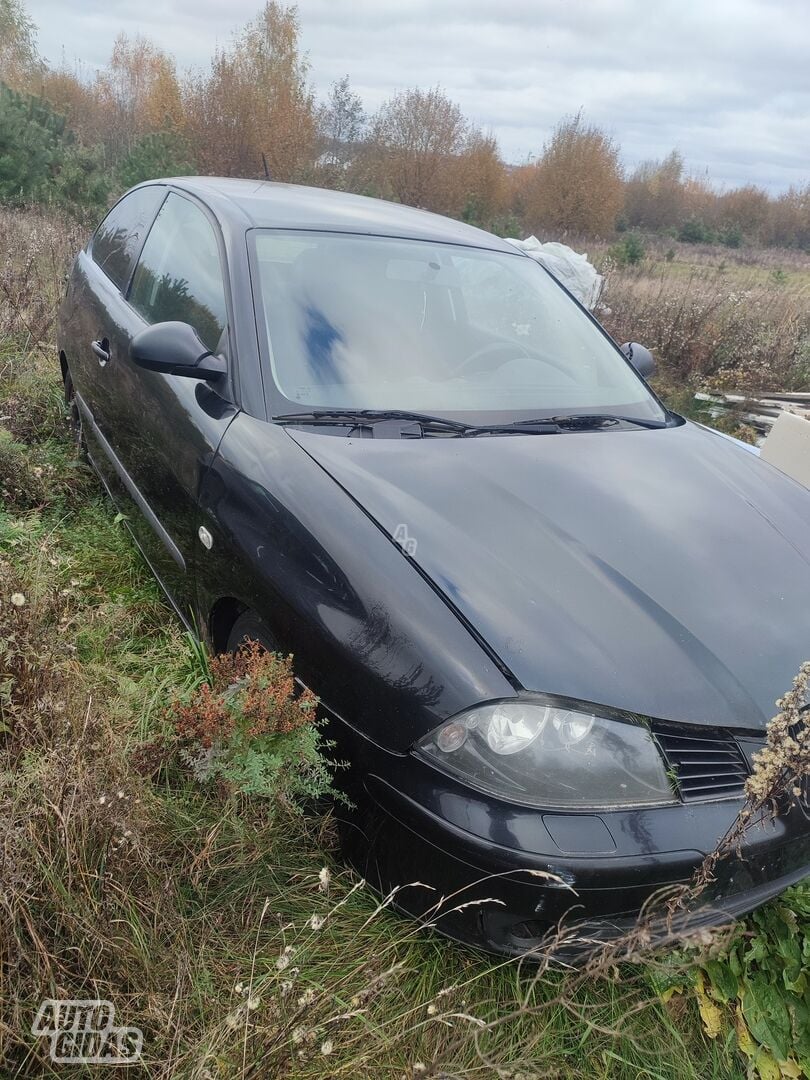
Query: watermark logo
[(82, 1031), (405, 541)]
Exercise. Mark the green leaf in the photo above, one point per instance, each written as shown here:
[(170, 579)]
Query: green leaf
[(725, 985), (766, 1014)]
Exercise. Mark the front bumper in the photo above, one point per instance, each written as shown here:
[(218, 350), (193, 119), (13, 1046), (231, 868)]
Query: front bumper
[(473, 858)]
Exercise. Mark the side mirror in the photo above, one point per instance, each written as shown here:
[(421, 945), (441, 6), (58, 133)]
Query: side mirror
[(173, 348), (641, 359)]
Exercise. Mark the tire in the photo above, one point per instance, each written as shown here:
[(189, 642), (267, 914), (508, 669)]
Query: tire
[(249, 627)]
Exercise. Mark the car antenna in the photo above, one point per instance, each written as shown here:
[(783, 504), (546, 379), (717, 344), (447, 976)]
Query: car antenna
[(266, 170)]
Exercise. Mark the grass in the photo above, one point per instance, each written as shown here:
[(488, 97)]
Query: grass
[(226, 929), (166, 899), (178, 904), (714, 319)]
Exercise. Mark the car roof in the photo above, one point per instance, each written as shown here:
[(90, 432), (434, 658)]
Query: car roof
[(264, 204)]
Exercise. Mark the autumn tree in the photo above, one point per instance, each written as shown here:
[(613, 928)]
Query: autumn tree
[(654, 194), (789, 219), (478, 187), (744, 210), (76, 98), (255, 104), (575, 188), (139, 93), (413, 140), (19, 60)]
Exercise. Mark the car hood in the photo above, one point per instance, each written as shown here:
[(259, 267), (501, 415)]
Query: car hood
[(665, 572)]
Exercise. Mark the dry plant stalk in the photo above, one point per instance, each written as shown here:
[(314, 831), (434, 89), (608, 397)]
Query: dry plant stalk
[(781, 771)]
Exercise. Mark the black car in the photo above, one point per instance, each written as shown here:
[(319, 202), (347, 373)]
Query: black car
[(547, 618)]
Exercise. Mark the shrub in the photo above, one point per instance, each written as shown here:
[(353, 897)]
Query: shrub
[(695, 231), (163, 153), (249, 727), (629, 251), (81, 182), (731, 237)]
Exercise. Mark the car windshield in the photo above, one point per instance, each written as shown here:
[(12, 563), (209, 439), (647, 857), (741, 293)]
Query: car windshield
[(360, 322)]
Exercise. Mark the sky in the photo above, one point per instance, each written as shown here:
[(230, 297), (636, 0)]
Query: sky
[(726, 82)]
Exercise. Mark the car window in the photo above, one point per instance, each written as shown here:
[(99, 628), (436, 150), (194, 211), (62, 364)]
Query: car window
[(179, 274), (355, 321), (119, 237)]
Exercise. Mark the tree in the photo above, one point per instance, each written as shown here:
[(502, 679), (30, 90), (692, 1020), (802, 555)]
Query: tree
[(40, 158), (162, 153), (29, 138), (81, 180), (414, 137), (789, 219), (743, 210), (341, 121), (576, 186), (654, 194), (76, 99), (255, 105), (139, 94), (478, 186), (19, 60)]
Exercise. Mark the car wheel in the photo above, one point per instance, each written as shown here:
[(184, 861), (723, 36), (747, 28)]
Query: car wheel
[(249, 627), (74, 417)]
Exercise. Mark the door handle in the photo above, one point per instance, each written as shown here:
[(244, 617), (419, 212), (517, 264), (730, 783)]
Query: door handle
[(102, 350)]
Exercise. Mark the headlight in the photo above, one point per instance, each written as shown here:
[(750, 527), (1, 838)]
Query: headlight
[(550, 756)]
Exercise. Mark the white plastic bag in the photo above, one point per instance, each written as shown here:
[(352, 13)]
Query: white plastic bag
[(571, 268)]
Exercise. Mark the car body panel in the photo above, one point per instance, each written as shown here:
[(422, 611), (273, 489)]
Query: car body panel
[(660, 572), (270, 205), (368, 633)]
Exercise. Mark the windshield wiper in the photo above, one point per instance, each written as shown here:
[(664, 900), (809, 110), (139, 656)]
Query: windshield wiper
[(595, 420), (361, 417), (427, 422)]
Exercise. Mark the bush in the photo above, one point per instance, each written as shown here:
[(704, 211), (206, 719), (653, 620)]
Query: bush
[(249, 727), (164, 153), (731, 237), (629, 251), (695, 231), (81, 182)]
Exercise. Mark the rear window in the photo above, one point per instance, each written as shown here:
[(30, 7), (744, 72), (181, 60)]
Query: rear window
[(119, 237)]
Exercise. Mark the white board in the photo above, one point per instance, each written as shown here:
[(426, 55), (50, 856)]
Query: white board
[(788, 447)]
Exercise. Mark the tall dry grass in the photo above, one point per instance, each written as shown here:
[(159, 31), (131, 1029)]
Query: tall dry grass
[(716, 322)]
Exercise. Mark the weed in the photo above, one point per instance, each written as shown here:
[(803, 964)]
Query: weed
[(247, 725)]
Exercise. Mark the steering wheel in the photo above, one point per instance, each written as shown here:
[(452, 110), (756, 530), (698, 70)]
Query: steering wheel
[(511, 346), (493, 346)]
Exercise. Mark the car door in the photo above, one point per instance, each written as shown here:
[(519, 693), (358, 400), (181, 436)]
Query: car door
[(153, 435), (167, 427), (94, 316)]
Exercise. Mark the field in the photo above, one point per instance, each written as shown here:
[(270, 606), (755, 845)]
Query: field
[(224, 926)]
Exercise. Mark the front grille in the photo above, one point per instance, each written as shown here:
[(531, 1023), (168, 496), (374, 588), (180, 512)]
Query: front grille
[(705, 766)]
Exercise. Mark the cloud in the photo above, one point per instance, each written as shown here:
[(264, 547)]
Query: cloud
[(726, 82)]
